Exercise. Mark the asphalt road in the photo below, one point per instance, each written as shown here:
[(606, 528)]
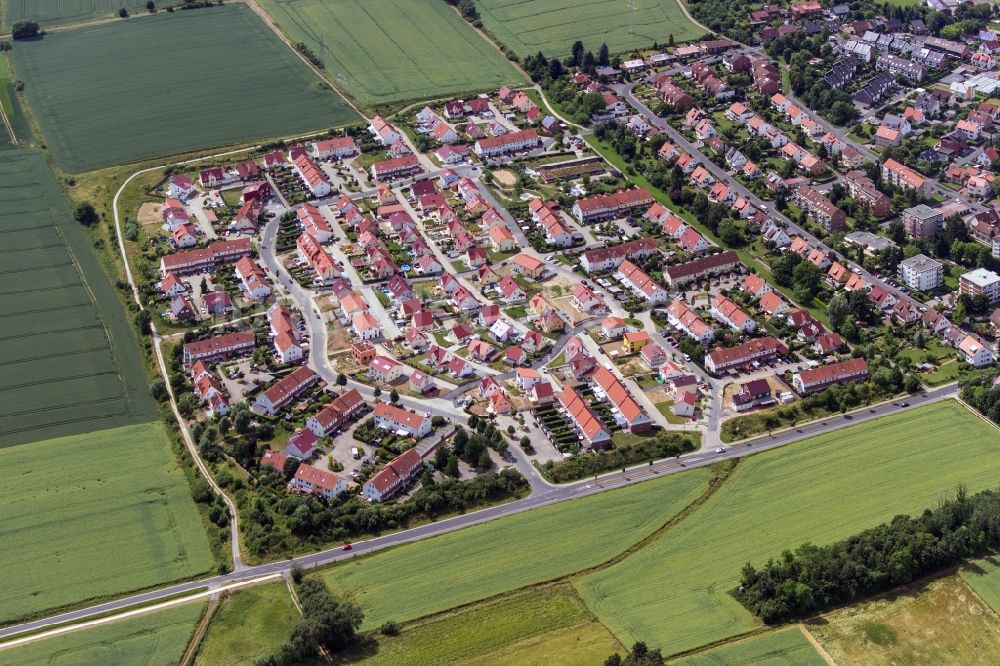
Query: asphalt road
[(550, 496)]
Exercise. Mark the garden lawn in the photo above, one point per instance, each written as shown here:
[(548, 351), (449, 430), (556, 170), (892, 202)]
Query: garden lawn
[(395, 50), (460, 567), (124, 92), (983, 576), (777, 648), (675, 592), (551, 26), (253, 622), (56, 12), (487, 629), (68, 358), (157, 638), (95, 515)]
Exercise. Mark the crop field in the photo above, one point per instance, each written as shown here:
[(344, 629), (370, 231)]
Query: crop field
[(56, 12), (94, 515), (787, 647), (254, 622), (983, 576), (106, 95), (941, 622), (68, 361), (551, 26), (447, 571), (675, 592), (394, 50), (155, 638), (487, 631)]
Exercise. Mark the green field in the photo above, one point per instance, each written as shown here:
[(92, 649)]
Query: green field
[(787, 647), (95, 515), (493, 631), (551, 26), (394, 50), (460, 567), (163, 85), (254, 622), (5, 86), (55, 12), (675, 592), (154, 639), (68, 360), (983, 576)]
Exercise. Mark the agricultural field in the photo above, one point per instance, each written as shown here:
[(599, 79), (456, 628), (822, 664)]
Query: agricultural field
[(437, 574), (551, 26), (941, 622), (675, 592), (787, 647), (510, 629), (253, 622), (983, 576), (68, 360), (155, 638), (394, 50), (57, 12), (71, 503), (104, 95)]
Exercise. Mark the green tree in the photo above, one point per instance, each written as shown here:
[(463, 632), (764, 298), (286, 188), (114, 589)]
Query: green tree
[(603, 56), (394, 396), (451, 468), (806, 280), (838, 310), (24, 30), (341, 379), (377, 392), (85, 214)]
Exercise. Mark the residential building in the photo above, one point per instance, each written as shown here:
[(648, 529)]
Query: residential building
[(390, 417), (759, 350), (685, 319), (730, 314), (975, 353), (219, 347), (980, 281), (587, 422), (755, 393), (904, 177), (921, 273), (335, 413), (629, 413), (641, 284), (316, 481), (393, 477), (817, 379), (863, 190), (286, 389), (701, 268), (604, 206), (507, 143), (819, 208), (606, 258)]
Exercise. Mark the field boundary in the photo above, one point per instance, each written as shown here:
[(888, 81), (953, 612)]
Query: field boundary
[(715, 482), (194, 644), (816, 644)]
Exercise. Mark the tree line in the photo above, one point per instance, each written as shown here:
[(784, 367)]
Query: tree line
[(814, 578), (663, 445)]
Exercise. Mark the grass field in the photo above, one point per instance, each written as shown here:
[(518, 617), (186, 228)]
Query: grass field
[(68, 360), (56, 12), (675, 592), (460, 567), (938, 623), (579, 645), (787, 647), (252, 623), (551, 26), (95, 515), (123, 92), (5, 86), (395, 50), (155, 639), (498, 630), (983, 576)]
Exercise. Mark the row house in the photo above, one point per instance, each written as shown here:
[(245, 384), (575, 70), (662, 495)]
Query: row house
[(315, 180), (604, 206), (685, 319), (641, 284), (726, 311), (758, 350), (334, 148), (817, 379), (901, 67), (703, 267), (630, 414), (286, 389), (317, 258), (219, 347), (606, 258), (397, 167), (335, 413), (507, 143), (397, 419), (587, 422), (252, 280), (396, 474), (315, 481), (312, 222), (205, 259)]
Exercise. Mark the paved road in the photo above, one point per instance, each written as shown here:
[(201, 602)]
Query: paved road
[(550, 496)]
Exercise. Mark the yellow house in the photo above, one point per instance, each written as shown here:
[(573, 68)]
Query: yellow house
[(633, 342), (527, 265)]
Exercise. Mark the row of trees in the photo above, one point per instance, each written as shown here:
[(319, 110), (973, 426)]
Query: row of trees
[(663, 445), (814, 578)]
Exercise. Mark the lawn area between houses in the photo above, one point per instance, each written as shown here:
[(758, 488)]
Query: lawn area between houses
[(515, 628), (57, 12), (105, 95), (68, 359), (551, 26), (437, 574), (253, 622), (777, 648), (155, 638), (395, 50), (674, 593), (95, 515)]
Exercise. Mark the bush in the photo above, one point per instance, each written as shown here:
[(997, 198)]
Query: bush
[(664, 445), (24, 30), (390, 628)]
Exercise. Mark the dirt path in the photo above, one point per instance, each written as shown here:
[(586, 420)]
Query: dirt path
[(816, 645), (192, 649)]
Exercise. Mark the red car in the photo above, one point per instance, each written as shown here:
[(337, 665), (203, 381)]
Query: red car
[(347, 546)]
